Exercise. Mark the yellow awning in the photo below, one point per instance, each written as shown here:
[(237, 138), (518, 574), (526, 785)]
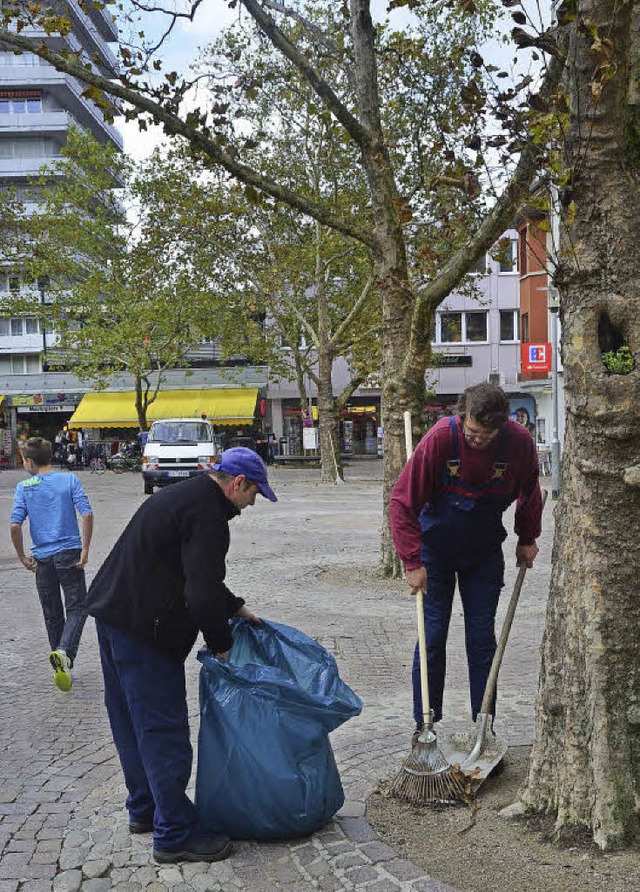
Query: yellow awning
[(235, 406)]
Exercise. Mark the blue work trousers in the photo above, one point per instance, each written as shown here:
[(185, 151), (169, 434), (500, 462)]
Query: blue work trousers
[(145, 696), (480, 579), (64, 624)]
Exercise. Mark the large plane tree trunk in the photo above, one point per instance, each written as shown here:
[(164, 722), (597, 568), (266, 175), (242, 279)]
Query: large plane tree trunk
[(585, 767)]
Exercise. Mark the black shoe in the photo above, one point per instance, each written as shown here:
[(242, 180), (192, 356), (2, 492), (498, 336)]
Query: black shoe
[(140, 826), (416, 734), (197, 848)]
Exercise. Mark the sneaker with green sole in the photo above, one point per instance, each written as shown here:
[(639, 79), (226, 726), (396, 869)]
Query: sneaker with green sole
[(61, 664)]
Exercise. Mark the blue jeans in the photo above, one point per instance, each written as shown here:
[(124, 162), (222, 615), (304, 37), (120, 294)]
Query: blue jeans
[(145, 696), (64, 624), (480, 579)]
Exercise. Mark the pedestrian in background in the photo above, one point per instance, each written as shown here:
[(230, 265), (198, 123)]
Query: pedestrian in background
[(51, 500), (446, 518), (162, 583)]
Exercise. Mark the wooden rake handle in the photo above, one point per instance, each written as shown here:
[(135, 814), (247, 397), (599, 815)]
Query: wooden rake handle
[(422, 638)]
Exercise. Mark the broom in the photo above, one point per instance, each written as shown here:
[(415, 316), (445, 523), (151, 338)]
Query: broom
[(426, 776)]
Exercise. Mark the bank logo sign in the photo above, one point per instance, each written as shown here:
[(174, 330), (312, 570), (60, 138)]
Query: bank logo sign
[(536, 357)]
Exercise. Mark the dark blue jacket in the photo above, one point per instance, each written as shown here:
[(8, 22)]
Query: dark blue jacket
[(164, 578)]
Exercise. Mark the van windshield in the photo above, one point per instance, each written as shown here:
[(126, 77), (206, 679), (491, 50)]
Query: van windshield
[(180, 432)]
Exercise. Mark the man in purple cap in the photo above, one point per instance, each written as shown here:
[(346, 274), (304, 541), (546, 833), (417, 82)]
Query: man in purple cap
[(162, 583)]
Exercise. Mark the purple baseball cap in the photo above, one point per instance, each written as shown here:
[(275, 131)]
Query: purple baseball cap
[(241, 460)]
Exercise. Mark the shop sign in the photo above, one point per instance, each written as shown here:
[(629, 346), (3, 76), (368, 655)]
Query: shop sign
[(56, 408), (45, 399), (452, 359), (536, 357)]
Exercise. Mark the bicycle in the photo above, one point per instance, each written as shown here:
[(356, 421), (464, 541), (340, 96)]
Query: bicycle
[(97, 466)]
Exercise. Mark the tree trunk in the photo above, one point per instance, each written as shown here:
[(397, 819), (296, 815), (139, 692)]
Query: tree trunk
[(142, 402), (585, 766), (400, 391), (328, 422)]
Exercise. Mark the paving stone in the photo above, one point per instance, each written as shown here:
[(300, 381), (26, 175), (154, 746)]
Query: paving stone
[(377, 851), (360, 875), (36, 886), (103, 884), (92, 869), (402, 869), (330, 883), (357, 829), (67, 881), (9, 885), (170, 875)]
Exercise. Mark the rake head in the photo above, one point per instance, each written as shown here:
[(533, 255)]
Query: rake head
[(427, 778)]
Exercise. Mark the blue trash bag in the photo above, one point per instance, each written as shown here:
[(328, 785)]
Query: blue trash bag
[(265, 765)]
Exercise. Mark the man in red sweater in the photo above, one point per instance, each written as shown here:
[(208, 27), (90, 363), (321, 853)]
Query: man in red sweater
[(446, 518)]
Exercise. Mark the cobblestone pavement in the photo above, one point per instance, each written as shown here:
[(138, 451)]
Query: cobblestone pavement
[(309, 561)]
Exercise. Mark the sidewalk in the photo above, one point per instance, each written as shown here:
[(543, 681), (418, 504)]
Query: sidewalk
[(309, 561)]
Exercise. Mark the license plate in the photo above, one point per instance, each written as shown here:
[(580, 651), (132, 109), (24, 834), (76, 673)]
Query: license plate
[(178, 473)]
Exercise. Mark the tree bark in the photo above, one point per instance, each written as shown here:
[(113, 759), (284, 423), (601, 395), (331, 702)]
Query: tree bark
[(585, 766)]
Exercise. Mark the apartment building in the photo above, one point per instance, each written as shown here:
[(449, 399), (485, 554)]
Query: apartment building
[(38, 105)]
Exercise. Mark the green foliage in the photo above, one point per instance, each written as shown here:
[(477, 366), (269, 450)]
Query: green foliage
[(124, 294), (619, 362)]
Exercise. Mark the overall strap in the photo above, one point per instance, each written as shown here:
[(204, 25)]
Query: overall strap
[(452, 470), (500, 465)]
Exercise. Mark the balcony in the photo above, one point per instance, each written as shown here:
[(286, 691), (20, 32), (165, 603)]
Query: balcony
[(67, 91)]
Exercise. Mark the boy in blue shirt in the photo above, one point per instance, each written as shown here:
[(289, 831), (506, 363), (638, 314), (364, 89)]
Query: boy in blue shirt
[(50, 499)]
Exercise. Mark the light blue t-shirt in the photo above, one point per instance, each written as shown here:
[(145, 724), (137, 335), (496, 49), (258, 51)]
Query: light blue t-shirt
[(50, 501)]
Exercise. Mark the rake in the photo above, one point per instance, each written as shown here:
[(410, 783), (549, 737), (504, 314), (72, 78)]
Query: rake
[(426, 776)]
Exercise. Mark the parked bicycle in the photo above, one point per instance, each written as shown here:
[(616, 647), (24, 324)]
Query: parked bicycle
[(97, 465)]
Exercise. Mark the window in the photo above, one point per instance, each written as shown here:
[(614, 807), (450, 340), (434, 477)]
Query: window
[(470, 327), (16, 327), (525, 328), (5, 327), (508, 255), (476, 325), (14, 283), (31, 325), (5, 365), (20, 105), (22, 364), (509, 327), (450, 328)]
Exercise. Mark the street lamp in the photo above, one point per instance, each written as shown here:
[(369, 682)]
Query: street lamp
[(43, 283), (554, 306)]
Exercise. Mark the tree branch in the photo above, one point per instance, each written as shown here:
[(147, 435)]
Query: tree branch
[(354, 128), (175, 125)]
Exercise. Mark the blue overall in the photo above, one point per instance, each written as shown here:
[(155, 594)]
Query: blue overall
[(462, 535), (146, 701)]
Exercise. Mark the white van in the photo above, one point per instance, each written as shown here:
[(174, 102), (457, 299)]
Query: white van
[(177, 448)]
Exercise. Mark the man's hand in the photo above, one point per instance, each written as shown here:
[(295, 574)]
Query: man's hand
[(247, 614), (29, 562), (417, 579), (526, 555), (84, 557)]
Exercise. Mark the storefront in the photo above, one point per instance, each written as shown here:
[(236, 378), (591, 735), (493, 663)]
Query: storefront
[(27, 415), (359, 427)]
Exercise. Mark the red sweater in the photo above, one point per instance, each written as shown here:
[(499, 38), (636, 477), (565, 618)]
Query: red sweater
[(421, 481)]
